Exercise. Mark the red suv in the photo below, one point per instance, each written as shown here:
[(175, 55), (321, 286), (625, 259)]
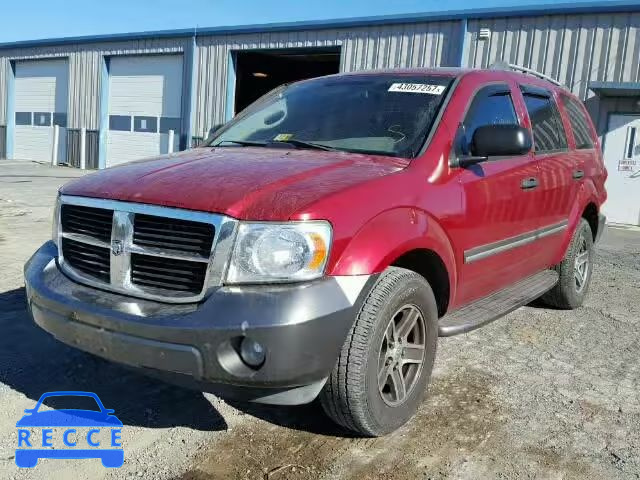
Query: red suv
[(318, 244)]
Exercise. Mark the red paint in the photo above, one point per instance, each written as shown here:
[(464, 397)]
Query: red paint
[(382, 207)]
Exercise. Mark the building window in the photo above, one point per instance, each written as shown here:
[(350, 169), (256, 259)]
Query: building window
[(548, 131), (60, 119), (579, 123), (23, 118), (169, 123), (42, 119), (145, 124), (121, 123)]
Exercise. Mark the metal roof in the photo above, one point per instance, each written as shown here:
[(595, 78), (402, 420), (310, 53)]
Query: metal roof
[(616, 89), (497, 12)]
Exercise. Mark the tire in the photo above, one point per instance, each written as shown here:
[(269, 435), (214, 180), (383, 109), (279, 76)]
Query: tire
[(570, 292), (352, 396)]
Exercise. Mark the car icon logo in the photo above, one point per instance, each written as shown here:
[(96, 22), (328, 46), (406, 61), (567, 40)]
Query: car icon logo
[(69, 434), (117, 247)]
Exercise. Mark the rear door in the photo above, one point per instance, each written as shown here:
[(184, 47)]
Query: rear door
[(498, 211), (558, 188)]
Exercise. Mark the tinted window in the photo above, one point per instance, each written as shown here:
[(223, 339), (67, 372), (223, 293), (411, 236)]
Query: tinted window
[(548, 132), (145, 124), (379, 114), (120, 122), (42, 119), (491, 106), (579, 123), (23, 118), (169, 123), (60, 119)]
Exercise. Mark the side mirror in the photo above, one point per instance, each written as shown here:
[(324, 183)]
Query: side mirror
[(496, 141), (500, 141)]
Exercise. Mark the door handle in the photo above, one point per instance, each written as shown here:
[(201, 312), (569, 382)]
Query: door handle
[(578, 174), (529, 183)]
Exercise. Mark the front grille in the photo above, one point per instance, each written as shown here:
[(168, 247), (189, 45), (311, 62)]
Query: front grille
[(88, 259), (94, 222), (170, 274), (147, 251), (174, 234)]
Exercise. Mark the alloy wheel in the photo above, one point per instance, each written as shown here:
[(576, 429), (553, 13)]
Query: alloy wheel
[(582, 265), (402, 354)]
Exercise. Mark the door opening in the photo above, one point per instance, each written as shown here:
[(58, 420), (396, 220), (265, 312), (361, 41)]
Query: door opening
[(258, 72)]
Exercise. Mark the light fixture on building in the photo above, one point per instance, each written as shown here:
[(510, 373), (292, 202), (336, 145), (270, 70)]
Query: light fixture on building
[(484, 34), (260, 75)]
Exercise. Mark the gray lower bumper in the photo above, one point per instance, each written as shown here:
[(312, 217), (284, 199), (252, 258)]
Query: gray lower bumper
[(302, 328)]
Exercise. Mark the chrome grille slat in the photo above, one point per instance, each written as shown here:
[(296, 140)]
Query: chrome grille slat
[(78, 237), (145, 271), (168, 253), (89, 259), (174, 234), (94, 222), (153, 252)]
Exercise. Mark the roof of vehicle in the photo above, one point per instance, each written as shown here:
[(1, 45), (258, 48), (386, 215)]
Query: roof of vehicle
[(485, 74)]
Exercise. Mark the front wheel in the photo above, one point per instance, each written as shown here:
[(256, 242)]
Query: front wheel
[(386, 361)]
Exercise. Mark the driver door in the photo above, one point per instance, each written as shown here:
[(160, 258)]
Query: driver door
[(499, 198)]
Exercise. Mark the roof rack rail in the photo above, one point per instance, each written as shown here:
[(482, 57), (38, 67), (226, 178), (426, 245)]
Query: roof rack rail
[(518, 68)]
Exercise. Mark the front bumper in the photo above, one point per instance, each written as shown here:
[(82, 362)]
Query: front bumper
[(302, 328)]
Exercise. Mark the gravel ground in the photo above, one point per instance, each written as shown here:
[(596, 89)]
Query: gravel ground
[(539, 394)]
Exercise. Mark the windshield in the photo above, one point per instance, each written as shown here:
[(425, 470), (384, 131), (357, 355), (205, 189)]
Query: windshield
[(377, 114)]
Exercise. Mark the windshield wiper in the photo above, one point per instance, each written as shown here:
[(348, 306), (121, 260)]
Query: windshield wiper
[(244, 143), (294, 142), (310, 145)]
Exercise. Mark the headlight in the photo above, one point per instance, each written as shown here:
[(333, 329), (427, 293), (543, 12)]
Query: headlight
[(283, 252)]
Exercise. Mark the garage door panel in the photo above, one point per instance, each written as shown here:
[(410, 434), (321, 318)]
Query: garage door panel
[(145, 95), (33, 143), (41, 99), (128, 146)]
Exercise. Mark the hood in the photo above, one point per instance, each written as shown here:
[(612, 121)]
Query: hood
[(246, 183)]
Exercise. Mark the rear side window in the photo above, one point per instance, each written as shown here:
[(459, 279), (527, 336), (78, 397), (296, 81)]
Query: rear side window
[(548, 131), (579, 123), (492, 105)]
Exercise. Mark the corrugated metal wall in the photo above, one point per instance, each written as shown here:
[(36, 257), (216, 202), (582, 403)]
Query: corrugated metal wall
[(85, 64), (407, 45), (574, 49), (4, 65)]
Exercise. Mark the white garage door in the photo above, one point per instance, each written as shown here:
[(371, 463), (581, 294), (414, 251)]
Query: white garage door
[(622, 158), (41, 98), (145, 96)]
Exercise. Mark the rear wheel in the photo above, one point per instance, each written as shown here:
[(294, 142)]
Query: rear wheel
[(386, 361), (574, 271)]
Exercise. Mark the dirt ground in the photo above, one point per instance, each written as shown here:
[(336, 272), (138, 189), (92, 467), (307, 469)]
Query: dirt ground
[(539, 394)]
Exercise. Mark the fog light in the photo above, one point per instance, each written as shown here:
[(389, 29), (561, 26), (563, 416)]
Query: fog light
[(252, 352)]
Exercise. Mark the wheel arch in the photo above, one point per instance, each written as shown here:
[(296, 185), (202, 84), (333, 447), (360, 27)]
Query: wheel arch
[(585, 206), (430, 266), (407, 238), (590, 214)]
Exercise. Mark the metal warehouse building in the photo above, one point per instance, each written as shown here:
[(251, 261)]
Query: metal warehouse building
[(98, 101)]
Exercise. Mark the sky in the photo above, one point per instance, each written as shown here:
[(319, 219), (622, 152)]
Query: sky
[(34, 19)]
